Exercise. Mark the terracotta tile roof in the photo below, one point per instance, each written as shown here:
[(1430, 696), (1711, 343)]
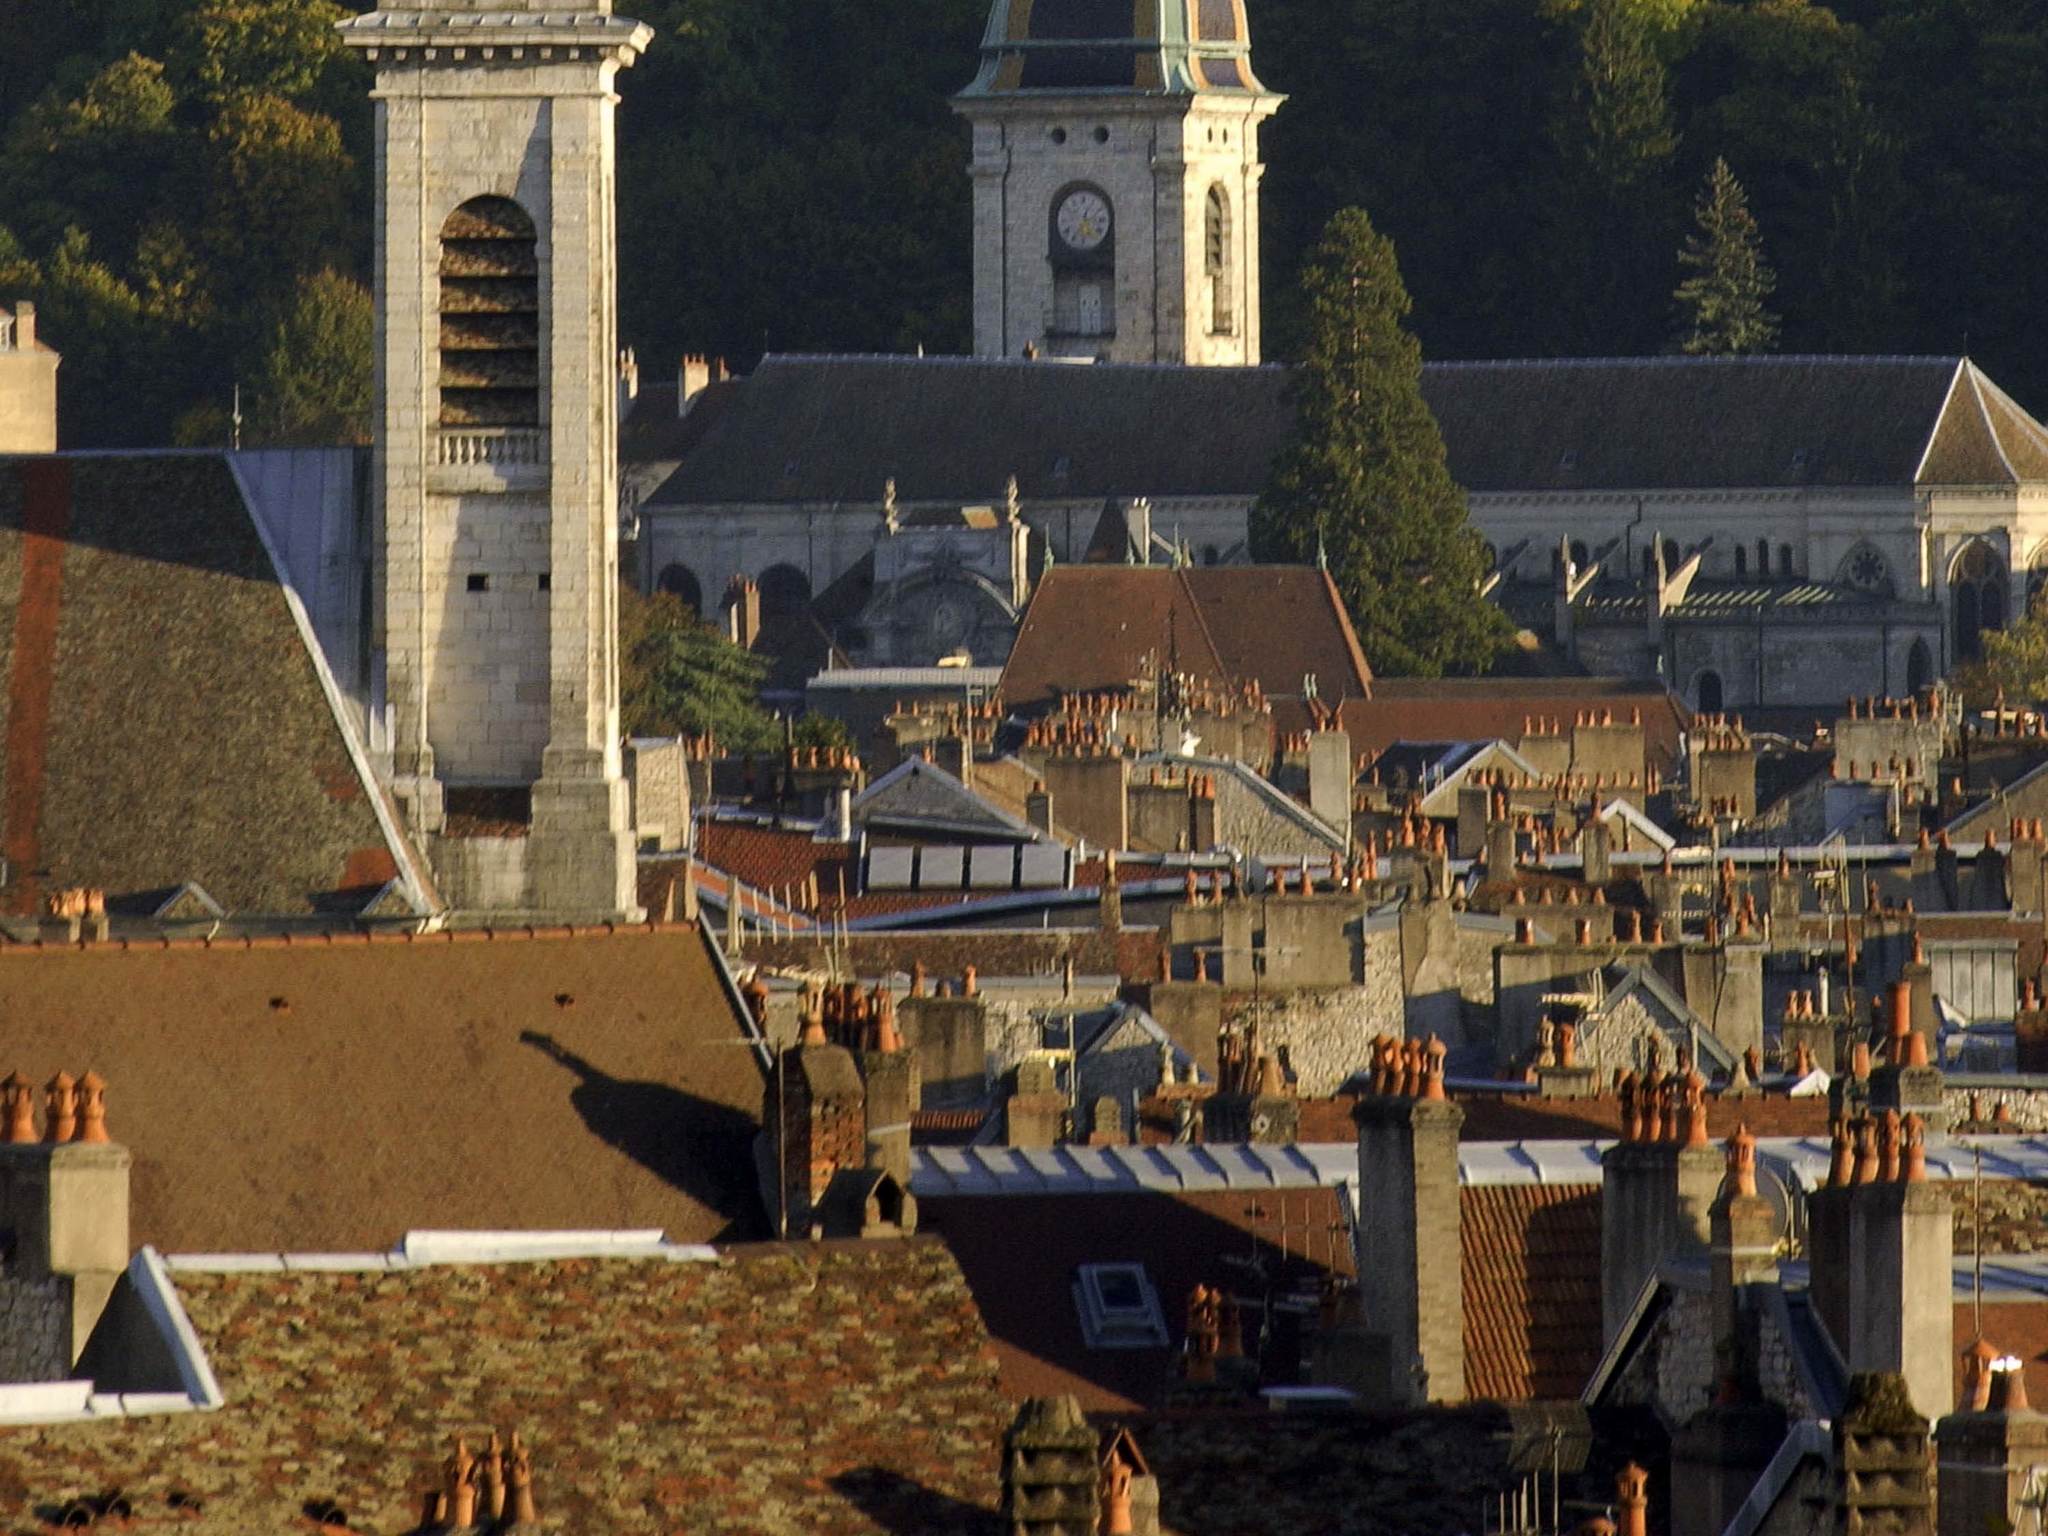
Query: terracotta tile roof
[(164, 721), (844, 1388), (1020, 1252), (1524, 1117), (1485, 709), (1532, 1289), (333, 1095), (773, 858), (1092, 628), (1129, 953)]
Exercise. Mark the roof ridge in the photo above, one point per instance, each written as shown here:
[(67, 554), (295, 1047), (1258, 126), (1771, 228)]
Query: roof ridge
[(328, 938), (963, 360), (1775, 359)]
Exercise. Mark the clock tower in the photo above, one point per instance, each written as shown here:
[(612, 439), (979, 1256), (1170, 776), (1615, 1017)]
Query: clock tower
[(1116, 181), (495, 465)]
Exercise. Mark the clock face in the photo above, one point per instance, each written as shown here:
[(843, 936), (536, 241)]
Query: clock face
[(1083, 220)]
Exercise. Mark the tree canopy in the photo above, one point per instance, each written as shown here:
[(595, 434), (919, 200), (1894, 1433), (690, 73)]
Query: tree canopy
[(1723, 298), (1362, 484), (791, 175)]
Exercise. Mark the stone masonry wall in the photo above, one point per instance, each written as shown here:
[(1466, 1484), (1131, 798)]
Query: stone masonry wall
[(35, 1329)]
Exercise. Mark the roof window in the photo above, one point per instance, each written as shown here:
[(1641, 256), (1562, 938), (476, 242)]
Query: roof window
[(1119, 1307)]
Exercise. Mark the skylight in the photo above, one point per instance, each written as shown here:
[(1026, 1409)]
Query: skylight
[(1119, 1308)]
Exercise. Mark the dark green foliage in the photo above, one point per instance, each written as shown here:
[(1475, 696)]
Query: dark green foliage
[(680, 677), (1724, 297), (792, 177), (1364, 481)]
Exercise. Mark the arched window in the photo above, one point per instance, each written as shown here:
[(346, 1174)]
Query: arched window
[(1763, 557), (1784, 559), (1707, 688), (1976, 599), (784, 590), (1670, 556), (680, 581), (1919, 667), (1741, 561), (1579, 553), (1650, 561), (490, 316), (1216, 262)]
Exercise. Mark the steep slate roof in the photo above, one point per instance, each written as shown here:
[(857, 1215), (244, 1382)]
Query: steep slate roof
[(1531, 1272), (164, 719), (918, 794), (838, 1387), (334, 1095), (1092, 627), (833, 429), (1619, 424)]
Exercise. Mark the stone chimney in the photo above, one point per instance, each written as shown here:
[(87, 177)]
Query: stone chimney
[(696, 375), (1882, 1481), (889, 1075), (1657, 1187), (1092, 791), (24, 326), (1882, 1247), (1330, 777), (1990, 1451), (64, 1205), (1035, 1113), (1409, 1224), (1597, 851), (1038, 807), (1717, 1456), (1051, 1471)]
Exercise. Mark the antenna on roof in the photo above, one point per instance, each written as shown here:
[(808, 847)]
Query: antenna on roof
[(235, 421), (1322, 550)]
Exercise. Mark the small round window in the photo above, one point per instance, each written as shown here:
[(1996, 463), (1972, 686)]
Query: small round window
[(1059, 135), (1102, 135)]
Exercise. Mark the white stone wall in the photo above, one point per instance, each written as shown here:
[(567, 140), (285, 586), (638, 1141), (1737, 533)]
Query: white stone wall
[(1154, 159), (514, 683)]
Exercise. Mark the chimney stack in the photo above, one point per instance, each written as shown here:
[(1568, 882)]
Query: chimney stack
[(1051, 1475), (1409, 1220), (65, 1200), (1655, 1197)]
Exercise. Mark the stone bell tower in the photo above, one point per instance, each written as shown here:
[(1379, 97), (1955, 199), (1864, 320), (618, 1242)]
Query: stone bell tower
[(496, 458), (1116, 181)]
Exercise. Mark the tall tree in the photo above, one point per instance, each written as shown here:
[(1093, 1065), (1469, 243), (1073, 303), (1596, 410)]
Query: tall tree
[(1614, 210), (1363, 481), (314, 384), (1724, 300)]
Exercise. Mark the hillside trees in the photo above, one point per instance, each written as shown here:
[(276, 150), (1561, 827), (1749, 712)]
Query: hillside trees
[(1363, 481)]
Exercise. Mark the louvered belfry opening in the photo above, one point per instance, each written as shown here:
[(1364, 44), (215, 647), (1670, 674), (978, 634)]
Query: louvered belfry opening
[(490, 316)]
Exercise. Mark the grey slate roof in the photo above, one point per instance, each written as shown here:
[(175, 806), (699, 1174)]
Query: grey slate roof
[(918, 793), (824, 430)]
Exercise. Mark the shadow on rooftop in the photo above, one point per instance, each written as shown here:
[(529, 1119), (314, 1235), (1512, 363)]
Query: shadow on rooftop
[(702, 1149), (905, 1507)]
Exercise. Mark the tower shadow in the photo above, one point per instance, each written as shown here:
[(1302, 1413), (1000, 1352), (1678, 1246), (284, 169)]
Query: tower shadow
[(702, 1149)]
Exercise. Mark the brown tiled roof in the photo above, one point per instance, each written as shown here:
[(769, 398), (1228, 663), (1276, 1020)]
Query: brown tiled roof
[(1020, 1253), (1484, 709), (1092, 627), (840, 1387), (1131, 952), (164, 721), (333, 1095), (1532, 1289), (774, 858), (1525, 1117)]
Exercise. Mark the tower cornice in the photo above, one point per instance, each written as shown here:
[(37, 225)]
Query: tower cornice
[(501, 36)]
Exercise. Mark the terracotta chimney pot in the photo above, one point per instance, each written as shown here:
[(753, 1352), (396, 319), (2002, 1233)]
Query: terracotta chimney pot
[(18, 1109), (1632, 1501), (1742, 1160), (60, 1103), (519, 1473), (92, 1107)]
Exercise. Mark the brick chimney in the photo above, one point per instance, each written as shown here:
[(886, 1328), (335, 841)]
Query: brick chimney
[(824, 1119), (889, 1074), (1035, 1113), (64, 1207), (1657, 1187), (1409, 1223)]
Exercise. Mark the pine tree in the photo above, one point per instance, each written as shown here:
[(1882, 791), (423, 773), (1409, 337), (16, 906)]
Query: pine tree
[(1723, 300), (1363, 479)]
